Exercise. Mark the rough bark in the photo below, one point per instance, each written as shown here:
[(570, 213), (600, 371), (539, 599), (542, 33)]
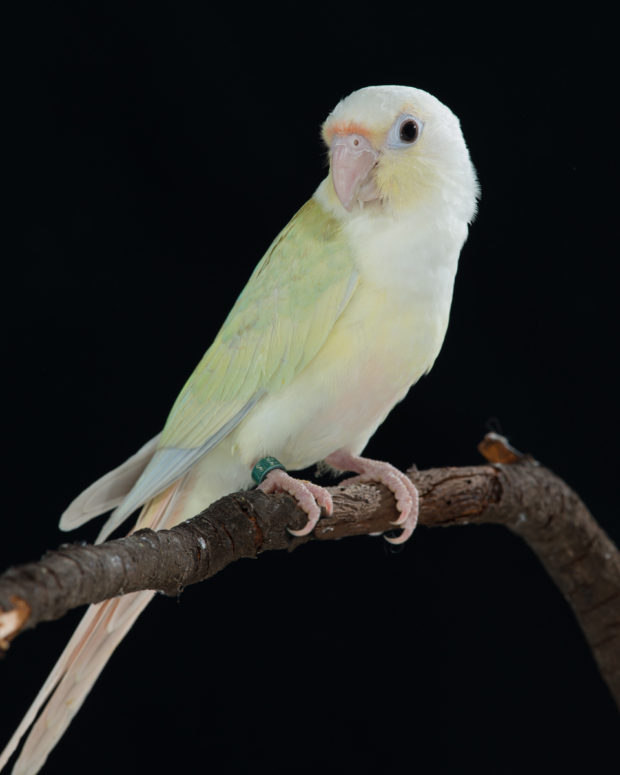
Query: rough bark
[(513, 490)]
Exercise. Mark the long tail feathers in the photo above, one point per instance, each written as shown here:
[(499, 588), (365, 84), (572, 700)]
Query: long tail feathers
[(73, 676), (102, 628)]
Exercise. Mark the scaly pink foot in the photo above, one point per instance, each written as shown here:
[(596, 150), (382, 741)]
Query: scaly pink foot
[(404, 490), (310, 497)]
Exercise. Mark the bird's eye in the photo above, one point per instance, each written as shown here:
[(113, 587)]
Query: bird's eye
[(405, 131), (408, 131)]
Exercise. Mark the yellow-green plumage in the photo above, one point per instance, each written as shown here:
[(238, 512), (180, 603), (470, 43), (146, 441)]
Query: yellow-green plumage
[(278, 324), (346, 310)]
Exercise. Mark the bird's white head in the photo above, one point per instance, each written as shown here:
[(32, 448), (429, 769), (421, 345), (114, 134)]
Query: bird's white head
[(394, 148)]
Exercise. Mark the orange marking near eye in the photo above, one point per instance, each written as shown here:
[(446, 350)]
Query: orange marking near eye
[(346, 128)]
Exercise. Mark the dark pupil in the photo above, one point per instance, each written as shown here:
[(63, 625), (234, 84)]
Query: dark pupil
[(408, 131)]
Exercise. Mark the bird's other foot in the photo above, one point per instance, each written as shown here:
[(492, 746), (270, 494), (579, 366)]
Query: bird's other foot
[(404, 490), (310, 497)]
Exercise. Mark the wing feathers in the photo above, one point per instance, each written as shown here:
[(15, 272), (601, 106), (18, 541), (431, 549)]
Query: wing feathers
[(106, 493), (166, 466), (278, 324)]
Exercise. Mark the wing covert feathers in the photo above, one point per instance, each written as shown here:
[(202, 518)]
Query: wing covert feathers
[(276, 327)]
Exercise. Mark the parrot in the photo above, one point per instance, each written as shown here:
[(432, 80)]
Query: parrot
[(346, 310)]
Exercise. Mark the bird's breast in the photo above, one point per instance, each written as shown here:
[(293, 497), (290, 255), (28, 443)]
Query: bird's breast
[(387, 337)]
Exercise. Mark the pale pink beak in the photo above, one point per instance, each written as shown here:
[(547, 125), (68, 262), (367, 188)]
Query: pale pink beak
[(352, 159)]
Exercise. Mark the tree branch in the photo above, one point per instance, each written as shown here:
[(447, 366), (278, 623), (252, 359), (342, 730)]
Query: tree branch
[(514, 490)]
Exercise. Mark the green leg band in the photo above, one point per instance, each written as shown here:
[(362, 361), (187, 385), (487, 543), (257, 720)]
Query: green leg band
[(264, 466)]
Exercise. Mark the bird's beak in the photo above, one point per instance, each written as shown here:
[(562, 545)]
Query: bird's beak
[(352, 159)]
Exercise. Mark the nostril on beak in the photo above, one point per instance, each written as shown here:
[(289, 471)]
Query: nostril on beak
[(352, 158)]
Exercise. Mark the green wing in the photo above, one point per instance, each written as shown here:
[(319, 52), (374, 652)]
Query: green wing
[(278, 324)]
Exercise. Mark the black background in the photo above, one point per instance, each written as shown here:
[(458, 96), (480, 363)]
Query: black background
[(152, 153)]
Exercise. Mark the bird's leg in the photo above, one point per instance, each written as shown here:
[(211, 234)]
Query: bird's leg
[(404, 490), (310, 497)]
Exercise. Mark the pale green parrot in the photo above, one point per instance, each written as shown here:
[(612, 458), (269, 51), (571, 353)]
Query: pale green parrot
[(345, 312)]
